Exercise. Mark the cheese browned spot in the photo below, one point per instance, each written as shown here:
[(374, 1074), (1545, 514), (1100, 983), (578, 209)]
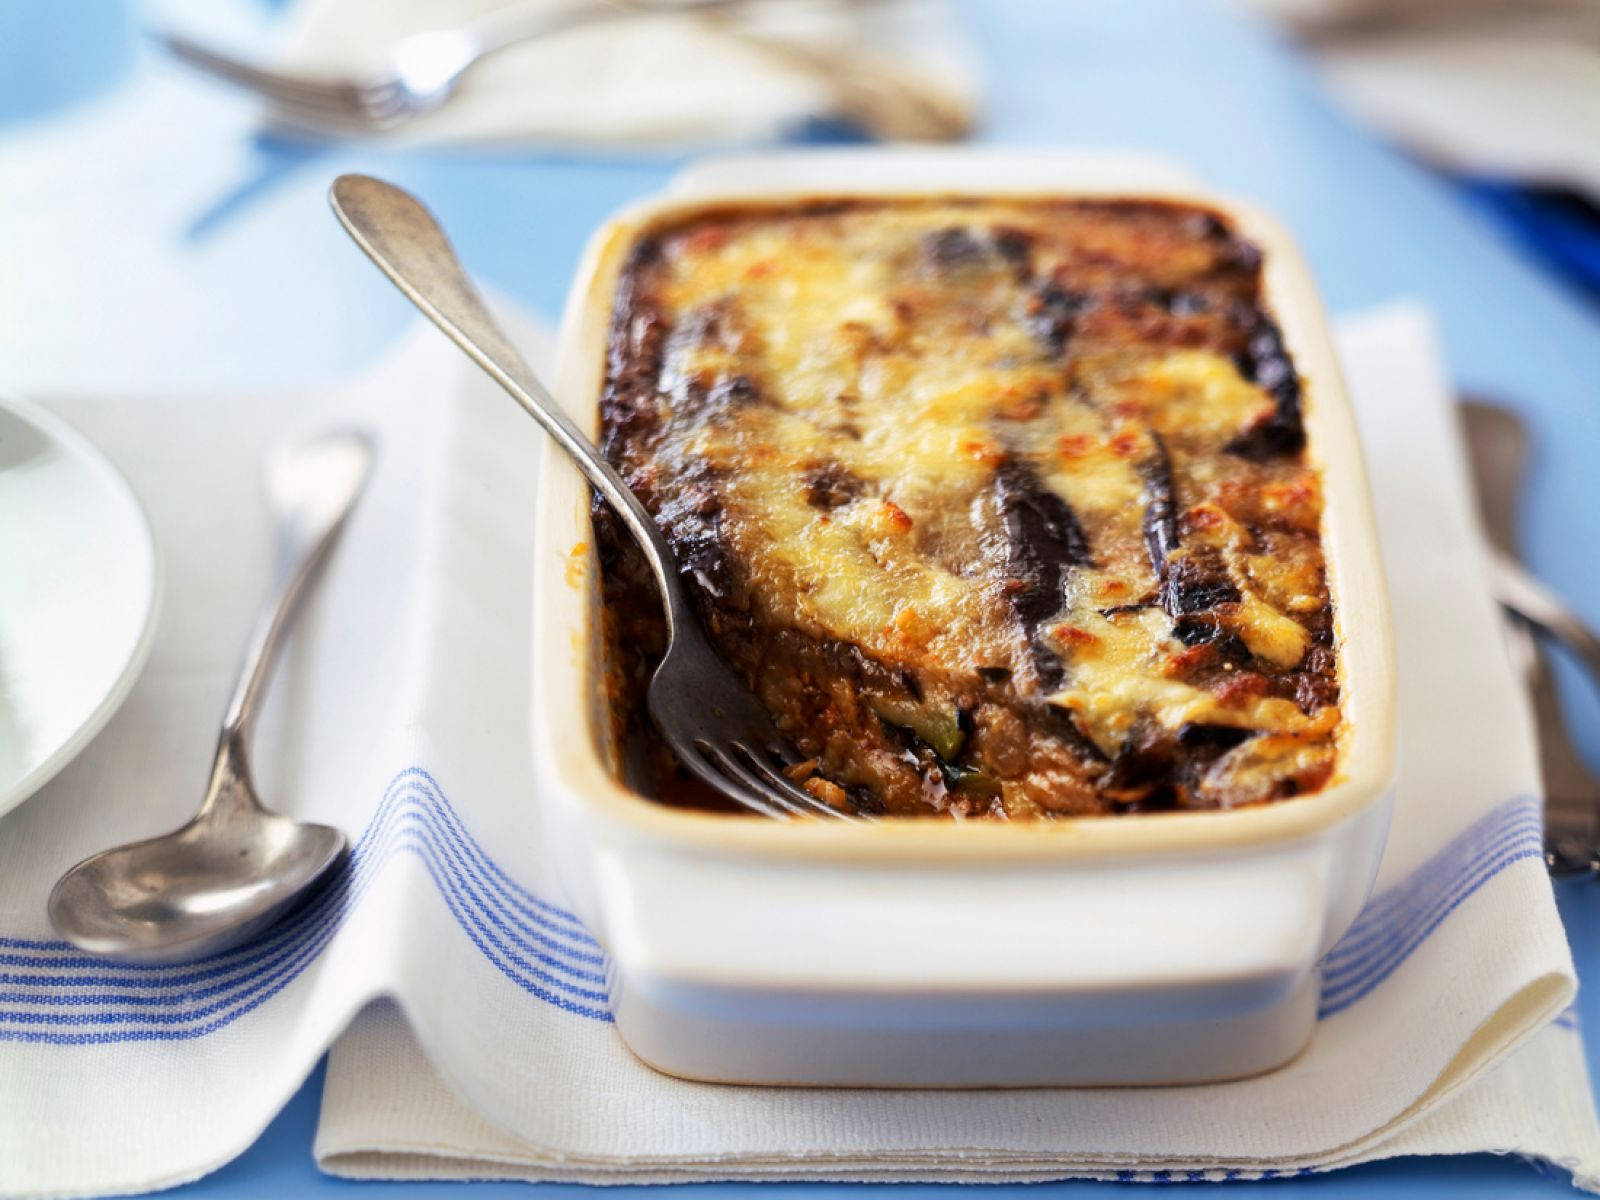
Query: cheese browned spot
[(1001, 506)]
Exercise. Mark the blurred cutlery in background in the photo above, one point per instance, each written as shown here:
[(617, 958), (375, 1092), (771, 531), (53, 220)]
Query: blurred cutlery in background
[(418, 74), (1498, 451)]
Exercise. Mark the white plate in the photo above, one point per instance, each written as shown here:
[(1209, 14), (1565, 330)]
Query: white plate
[(79, 590)]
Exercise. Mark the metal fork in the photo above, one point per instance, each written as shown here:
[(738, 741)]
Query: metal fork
[(419, 73), (712, 722)]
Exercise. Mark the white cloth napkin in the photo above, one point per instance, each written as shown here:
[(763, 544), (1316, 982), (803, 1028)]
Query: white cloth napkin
[(400, 715), (645, 81), (1505, 89)]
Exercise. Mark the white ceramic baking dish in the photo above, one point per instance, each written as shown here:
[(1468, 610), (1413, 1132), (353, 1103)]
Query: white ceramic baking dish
[(1161, 948)]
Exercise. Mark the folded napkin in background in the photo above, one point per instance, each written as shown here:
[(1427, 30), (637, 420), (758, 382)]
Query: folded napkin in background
[(648, 80), (1504, 94), (1492, 89), (401, 716)]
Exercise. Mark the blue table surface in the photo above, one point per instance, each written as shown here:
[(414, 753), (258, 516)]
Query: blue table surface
[(294, 305)]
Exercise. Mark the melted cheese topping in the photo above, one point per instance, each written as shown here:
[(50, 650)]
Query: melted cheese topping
[(1123, 670), (908, 356)]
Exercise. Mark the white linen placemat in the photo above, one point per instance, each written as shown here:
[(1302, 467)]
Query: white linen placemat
[(650, 80), (401, 716)]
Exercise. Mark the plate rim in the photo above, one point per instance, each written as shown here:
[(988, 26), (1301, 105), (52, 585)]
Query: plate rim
[(15, 793)]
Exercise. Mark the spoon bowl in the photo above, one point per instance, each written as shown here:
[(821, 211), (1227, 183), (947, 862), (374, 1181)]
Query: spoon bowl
[(199, 890)]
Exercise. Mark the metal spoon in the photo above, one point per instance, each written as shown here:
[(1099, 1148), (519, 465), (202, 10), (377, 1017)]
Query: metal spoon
[(236, 867)]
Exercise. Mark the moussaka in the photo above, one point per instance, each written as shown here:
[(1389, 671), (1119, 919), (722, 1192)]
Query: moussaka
[(1003, 507)]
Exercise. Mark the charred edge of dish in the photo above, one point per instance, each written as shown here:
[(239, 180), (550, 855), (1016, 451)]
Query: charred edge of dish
[(721, 398), (1200, 221), (1157, 769), (865, 801), (1315, 683), (1053, 721), (635, 351), (1265, 362)]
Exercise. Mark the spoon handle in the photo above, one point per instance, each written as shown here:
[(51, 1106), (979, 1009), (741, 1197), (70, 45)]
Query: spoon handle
[(406, 243), (312, 487)]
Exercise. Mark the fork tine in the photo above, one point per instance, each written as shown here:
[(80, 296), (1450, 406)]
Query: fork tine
[(328, 123), (753, 769), (283, 89), (340, 121), (729, 761), (718, 763), (356, 107), (371, 109), (787, 787)]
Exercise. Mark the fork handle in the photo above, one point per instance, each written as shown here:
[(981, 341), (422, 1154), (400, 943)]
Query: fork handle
[(401, 236)]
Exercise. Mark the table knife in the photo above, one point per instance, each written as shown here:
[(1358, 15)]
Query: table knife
[(1498, 450)]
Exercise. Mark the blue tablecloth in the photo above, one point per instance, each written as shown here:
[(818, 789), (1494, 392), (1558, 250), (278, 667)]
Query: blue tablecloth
[(290, 303)]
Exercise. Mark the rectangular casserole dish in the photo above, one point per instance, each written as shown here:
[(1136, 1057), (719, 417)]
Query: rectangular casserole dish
[(1152, 948)]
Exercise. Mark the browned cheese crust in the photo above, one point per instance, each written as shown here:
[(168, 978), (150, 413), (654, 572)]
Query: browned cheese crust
[(1001, 506)]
